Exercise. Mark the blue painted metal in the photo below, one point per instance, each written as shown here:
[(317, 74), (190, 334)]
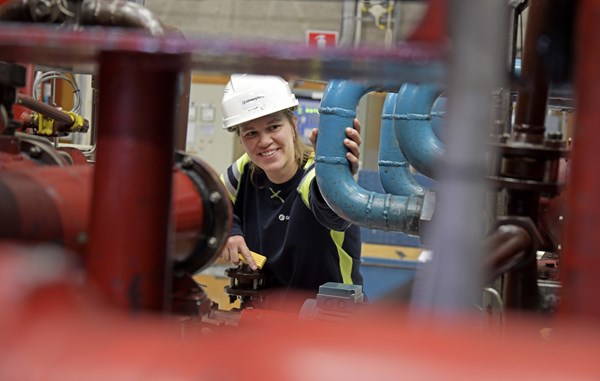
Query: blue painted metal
[(394, 170), (388, 279), (334, 177), (438, 112), (416, 139)]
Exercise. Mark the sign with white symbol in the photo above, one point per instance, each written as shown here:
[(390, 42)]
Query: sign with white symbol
[(321, 38)]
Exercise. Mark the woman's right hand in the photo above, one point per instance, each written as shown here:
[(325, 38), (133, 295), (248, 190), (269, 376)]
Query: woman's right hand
[(234, 246)]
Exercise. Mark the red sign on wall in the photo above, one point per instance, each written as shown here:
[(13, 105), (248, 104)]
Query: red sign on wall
[(321, 38)]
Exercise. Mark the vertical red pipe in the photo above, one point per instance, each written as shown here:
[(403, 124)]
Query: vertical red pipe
[(581, 260), (129, 233)]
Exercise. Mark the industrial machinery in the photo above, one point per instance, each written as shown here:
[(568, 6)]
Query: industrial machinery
[(144, 217)]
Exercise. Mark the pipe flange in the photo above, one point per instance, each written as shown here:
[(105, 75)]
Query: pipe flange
[(217, 216)]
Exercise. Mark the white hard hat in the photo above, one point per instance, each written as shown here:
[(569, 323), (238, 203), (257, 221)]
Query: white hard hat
[(248, 97)]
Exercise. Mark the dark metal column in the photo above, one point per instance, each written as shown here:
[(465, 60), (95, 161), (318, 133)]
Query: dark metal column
[(520, 282)]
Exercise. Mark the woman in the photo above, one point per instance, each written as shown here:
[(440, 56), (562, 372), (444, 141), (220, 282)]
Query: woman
[(278, 209)]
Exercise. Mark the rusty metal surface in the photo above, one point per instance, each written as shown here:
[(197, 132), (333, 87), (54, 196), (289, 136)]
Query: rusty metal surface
[(416, 62)]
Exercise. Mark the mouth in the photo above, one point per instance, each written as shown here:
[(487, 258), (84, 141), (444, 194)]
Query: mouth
[(268, 153)]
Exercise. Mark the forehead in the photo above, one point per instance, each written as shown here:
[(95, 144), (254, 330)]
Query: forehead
[(263, 121)]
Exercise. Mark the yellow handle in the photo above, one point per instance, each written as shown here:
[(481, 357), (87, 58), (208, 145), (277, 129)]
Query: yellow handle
[(259, 259)]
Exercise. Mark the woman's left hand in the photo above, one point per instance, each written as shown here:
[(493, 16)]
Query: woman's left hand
[(352, 143)]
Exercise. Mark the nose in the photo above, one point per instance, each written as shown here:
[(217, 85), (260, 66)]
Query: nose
[(264, 139)]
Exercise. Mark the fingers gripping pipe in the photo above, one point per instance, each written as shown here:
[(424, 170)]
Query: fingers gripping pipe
[(394, 170), (413, 126), (342, 193)]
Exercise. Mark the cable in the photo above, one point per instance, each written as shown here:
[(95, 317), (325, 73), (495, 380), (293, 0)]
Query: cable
[(50, 75)]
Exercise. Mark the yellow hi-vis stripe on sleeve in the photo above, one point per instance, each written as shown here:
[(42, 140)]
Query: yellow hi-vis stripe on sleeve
[(226, 183), (304, 187), (237, 169), (345, 258)]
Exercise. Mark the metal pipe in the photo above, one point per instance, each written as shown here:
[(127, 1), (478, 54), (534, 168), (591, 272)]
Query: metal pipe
[(129, 232), (120, 13), (31, 10), (338, 187), (44, 109), (394, 170), (532, 96), (415, 135), (580, 260), (14, 10), (349, 20), (452, 282), (520, 282), (507, 245), (62, 209)]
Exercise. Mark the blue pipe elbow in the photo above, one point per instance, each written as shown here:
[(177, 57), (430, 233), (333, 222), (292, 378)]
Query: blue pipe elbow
[(394, 170), (416, 139), (333, 173)]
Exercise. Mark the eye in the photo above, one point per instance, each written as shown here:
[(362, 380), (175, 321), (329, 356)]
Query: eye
[(249, 134), (274, 127)]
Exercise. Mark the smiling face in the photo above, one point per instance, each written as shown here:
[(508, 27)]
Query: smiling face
[(269, 141)]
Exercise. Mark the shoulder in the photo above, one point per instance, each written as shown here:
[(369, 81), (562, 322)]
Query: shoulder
[(232, 176)]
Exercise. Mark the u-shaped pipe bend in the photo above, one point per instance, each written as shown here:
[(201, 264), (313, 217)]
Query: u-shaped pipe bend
[(334, 177), (416, 137), (394, 170)]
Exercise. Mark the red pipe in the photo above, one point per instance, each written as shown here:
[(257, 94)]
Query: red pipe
[(61, 211), (581, 260), (129, 243)]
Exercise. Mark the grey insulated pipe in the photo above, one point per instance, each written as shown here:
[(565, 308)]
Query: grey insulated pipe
[(352, 202)]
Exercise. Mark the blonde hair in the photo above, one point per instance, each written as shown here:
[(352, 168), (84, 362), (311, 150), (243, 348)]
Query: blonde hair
[(302, 150)]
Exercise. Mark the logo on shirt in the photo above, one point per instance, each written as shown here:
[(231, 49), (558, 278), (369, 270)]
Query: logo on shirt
[(283, 217)]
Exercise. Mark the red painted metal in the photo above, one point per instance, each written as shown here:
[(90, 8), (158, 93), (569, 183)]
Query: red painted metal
[(49, 46), (433, 26), (10, 154), (27, 90), (132, 180), (76, 155), (51, 330), (61, 211), (580, 262)]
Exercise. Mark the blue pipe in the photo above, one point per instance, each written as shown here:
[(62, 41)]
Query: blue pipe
[(334, 177), (394, 170), (416, 139), (438, 112)]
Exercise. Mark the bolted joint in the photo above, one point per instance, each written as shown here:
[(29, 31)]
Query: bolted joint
[(426, 216)]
